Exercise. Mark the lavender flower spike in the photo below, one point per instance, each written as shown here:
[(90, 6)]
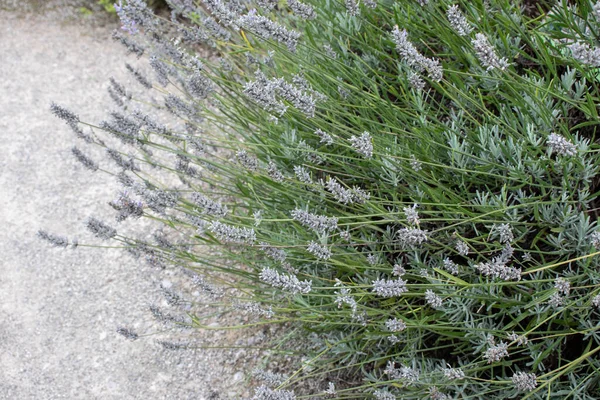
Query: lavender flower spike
[(363, 144), (487, 54)]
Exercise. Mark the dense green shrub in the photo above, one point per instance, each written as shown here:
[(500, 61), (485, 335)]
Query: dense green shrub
[(413, 183)]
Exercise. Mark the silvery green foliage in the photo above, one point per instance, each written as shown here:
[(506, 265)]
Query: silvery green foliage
[(504, 167)]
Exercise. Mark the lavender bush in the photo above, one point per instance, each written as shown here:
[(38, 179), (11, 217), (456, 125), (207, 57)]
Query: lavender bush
[(411, 185)]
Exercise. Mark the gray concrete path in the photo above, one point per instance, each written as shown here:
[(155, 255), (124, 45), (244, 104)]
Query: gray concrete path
[(59, 308)]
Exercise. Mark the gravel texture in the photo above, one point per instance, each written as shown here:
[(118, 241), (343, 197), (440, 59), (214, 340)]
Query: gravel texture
[(60, 308)]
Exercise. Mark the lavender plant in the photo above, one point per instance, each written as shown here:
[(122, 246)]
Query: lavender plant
[(414, 183)]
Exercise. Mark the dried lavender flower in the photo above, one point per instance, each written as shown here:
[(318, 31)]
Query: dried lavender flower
[(330, 52), (411, 236), (383, 395), (271, 379), (263, 92), (487, 54), (275, 173), (433, 299), (127, 333), (100, 229), (524, 382), (199, 86), (130, 45), (558, 144), (556, 300), (520, 340), (127, 207), (363, 144), (562, 286), (231, 234), (415, 164), (247, 160), (462, 248), (450, 266), (303, 10), (398, 270), (265, 393), (54, 240), (66, 115), (372, 259), (352, 7), (161, 70), (413, 58), (121, 161), (330, 391), (596, 301), (504, 232), (585, 54), (496, 352), (416, 82), (395, 325), (453, 373), (84, 160), (497, 267), (595, 239), (268, 29), (389, 288), (319, 223), (321, 252), (209, 207), (458, 21), (408, 374), (412, 216), (346, 196), (302, 174), (325, 137), (288, 283)]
